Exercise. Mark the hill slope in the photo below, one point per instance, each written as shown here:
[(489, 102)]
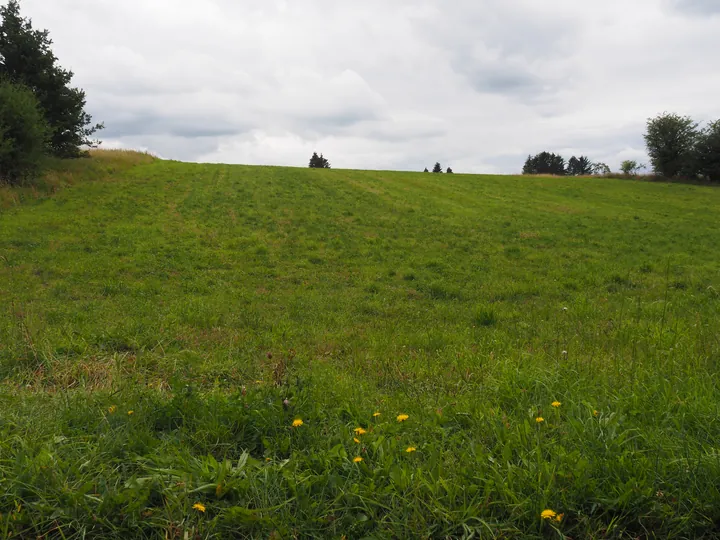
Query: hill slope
[(155, 320)]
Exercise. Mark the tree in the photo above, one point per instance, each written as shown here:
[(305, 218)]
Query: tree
[(670, 141), (630, 167), (707, 152), (449, 170), (23, 133), (318, 162), (601, 169), (426, 170), (545, 163), (437, 168), (26, 58), (579, 166)]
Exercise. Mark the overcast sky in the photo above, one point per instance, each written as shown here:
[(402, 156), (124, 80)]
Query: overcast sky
[(387, 84)]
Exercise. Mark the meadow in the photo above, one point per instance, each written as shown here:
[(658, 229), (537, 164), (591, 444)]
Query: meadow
[(211, 351)]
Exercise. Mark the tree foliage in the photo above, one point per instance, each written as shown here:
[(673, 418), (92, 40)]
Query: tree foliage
[(449, 170), (426, 170), (630, 167), (23, 133), (670, 141), (318, 162), (707, 152), (545, 163), (26, 58), (601, 169), (581, 166), (437, 168)]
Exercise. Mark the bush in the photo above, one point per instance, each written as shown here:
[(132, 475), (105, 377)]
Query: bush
[(23, 133)]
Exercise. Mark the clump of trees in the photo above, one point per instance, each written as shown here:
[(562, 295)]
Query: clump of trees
[(40, 112), (679, 149), (437, 169), (551, 163), (318, 162)]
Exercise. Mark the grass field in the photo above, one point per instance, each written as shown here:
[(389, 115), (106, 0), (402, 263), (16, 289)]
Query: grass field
[(164, 325)]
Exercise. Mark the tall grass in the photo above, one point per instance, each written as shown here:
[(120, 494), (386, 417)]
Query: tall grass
[(552, 342)]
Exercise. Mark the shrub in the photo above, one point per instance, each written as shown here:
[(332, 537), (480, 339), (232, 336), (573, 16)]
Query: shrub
[(23, 133)]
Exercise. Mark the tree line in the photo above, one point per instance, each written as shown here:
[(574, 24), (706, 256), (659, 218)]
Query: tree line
[(41, 114), (677, 146)]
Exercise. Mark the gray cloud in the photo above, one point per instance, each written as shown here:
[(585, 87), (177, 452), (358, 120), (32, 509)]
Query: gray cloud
[(476, 85), (698, 7)]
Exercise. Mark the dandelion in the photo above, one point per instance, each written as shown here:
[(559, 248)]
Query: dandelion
[(376, 414), (548, 514), (539, 419), (564, 353), (595, 413), (410, 449), (402, 417), (112, 409), (268, 459), (559, 517), (200, 507), (130, 413), (556, 404), (297, 422), (356, 440), (357, 459), (360, 431)]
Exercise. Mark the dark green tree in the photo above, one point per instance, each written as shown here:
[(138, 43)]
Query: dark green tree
[(26, 58), (545, 163), (23, 133), (707, 152), (437, 168), (449, 170), (581, 166), (318, 162), (670, 141), (426, 170)]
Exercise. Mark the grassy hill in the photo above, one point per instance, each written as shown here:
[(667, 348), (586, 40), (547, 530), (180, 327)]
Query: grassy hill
[(163, 325)]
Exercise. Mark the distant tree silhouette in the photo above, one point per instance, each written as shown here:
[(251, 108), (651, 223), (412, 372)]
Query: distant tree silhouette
[(437, 168), (600, 169), (318, 162), (579, 166), (449, 170), (426, 170), (545, 163)]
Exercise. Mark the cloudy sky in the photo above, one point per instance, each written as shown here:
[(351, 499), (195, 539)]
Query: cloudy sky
[(387, 84)]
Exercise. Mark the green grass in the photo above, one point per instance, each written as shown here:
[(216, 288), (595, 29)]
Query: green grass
[(220, 303)]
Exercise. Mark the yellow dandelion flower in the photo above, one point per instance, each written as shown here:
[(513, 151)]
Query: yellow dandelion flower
[(410, 449), (130, 413), (556, 404), (595, 413), (559, 517), (112, 409), (356, 440), (200, 507), (548, 514), (360, 431), (402, 417), (297, 422), (268, 459), (376, 414), (539, 419), (357, 459)]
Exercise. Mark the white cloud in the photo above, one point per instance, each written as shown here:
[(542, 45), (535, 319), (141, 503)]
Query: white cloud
[(376, 84)]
